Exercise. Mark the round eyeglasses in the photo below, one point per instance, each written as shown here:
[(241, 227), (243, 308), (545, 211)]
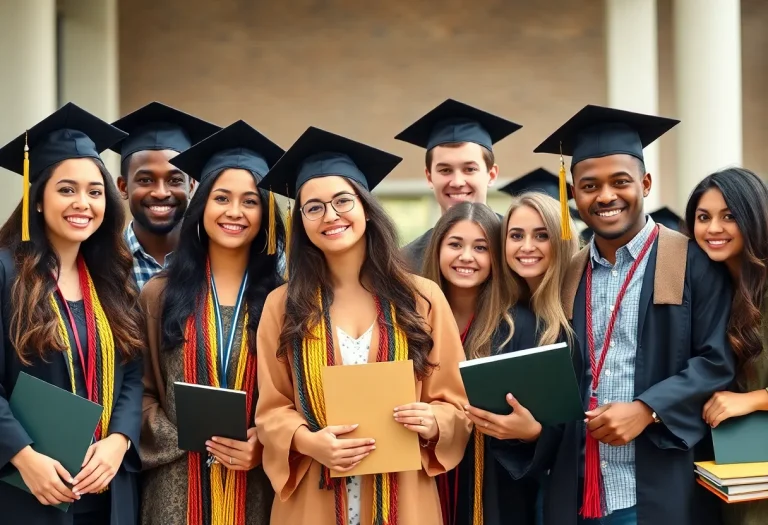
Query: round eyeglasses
[(315, 209)]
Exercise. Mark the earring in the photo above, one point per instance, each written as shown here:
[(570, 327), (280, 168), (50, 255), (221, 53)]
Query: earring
[(39, 209), (198, 232)]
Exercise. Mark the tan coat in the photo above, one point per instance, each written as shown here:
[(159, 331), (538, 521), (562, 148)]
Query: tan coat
[(295, 477)]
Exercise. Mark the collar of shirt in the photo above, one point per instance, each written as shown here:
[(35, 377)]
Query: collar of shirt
[(633, 247), (137, 250)]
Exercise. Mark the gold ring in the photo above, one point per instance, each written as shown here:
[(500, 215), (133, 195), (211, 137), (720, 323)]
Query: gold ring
[(230, 460)]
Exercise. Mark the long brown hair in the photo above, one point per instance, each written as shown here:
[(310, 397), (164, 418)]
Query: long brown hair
[(33, 324), (746, 196), (546, 301), (383, 274), (493, 301)]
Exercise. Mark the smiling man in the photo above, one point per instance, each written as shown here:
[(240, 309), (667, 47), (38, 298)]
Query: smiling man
[(157, 192), (459, 163), (650, 313)]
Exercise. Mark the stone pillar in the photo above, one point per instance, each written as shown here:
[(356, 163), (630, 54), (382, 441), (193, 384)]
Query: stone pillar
[(28, 85), (707, 41)]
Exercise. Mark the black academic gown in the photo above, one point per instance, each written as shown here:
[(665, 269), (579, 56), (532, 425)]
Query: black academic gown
[(18, 507), (505, 501), (683, 357)]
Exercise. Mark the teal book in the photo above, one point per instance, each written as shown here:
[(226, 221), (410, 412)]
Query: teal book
[(542, 379), (742, 439), (60, 423)]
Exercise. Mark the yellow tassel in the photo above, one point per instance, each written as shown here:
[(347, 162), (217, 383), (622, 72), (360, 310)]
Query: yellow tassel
[(25, 198), (565, 216), (288, 226), (271, 233)]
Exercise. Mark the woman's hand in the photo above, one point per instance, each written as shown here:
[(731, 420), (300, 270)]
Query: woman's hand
[(724, 405), (324, 446), (520, 424), (233, 454), (102, 461), (419, 418), (44, 477)]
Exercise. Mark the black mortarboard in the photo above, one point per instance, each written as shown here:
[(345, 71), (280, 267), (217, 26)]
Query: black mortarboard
[(160, 127), (455, 122), (236, 146), (540, 180), (668, 218), (69, 133), (319, 153), (597, 131)]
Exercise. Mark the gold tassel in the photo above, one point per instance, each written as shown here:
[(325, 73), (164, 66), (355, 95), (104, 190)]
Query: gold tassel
[(565, 216), (288, 224), (271, 233), (25, 198)]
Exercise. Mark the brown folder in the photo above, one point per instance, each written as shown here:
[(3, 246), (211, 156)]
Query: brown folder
[(367, 395)]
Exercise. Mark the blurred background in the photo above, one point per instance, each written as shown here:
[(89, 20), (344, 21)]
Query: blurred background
[(369, 69)]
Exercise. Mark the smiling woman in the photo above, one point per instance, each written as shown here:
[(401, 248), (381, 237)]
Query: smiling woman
[(208, 302), (72, 320)]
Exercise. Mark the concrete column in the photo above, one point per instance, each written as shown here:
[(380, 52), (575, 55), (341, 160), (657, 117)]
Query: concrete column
[(633, 72), (89, 51), (28, 85), (707, 40)]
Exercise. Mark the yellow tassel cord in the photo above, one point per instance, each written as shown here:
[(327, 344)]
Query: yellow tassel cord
[(565, 216), (271, 233), (25, 197), (288, 231), (477, 505)]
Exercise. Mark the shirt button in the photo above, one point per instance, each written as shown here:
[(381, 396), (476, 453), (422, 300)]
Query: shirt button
[(604, 464), (611, 308), (612, 344), (606, 401), (607, 372), (614, 273)]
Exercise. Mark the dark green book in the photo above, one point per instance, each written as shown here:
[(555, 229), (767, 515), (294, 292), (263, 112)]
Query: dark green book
[(542, 379), (742, 439), (60, 423)]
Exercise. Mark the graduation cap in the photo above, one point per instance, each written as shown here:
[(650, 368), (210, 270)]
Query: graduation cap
[(598, 131), (668, 218), (456, 122), (69, 133), (542, 181), (238, 146), (160, 127)]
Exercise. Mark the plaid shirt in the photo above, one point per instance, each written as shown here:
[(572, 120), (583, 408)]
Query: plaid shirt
[(617, 381), (144, 265)]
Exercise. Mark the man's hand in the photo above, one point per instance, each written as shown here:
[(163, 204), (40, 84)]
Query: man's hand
[(617, 424)]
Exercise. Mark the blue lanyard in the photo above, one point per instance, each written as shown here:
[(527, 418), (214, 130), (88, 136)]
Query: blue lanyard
[(225, 352)]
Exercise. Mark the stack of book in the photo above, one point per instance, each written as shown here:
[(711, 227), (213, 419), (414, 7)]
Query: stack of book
[(735, 482), (740, 469)]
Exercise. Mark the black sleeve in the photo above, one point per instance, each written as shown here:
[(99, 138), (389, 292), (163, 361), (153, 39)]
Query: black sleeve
[(678, 400), (126, 416), (13, 437)]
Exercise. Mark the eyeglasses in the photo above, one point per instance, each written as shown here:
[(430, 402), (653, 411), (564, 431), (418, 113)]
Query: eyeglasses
[(315, 209)]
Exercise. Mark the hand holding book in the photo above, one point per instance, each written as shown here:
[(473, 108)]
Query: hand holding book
[(44, 476), (234, 454), (520, 424), (419, 418)]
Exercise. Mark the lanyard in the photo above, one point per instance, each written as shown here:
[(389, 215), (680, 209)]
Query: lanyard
[(466, 330), (89, 370), (225, 352), (597, 366)]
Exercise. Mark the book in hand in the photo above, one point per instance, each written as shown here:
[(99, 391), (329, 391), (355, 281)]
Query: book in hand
[(367, 395), (735, 482), (742, 439), (203, 412), (542, 379), (60, 424)]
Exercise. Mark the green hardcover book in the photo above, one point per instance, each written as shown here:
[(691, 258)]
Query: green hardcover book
[(60, 423), (542, 379), (742, 439)]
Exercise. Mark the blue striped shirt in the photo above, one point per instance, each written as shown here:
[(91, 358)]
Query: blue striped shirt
[(144, 265), (617, 381)]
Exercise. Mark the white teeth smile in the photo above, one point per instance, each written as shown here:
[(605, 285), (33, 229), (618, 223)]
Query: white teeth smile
[(336, 230), (233, 227), (81, 221), (529, 260), (720, 242), (465, 271), (459, 196), (161, 209), (610, 213)]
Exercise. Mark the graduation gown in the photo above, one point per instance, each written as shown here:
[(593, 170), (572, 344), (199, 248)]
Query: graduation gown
[(295, 477), (20, 507), (506, 501), (683, 357), (413, 252)]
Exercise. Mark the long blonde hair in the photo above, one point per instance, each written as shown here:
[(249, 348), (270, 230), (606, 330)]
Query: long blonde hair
[(546, 301), (492, 300)]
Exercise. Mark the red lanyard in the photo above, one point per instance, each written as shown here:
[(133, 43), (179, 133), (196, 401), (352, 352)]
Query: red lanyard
[(87, 370), (597, 367), (466, 330)]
